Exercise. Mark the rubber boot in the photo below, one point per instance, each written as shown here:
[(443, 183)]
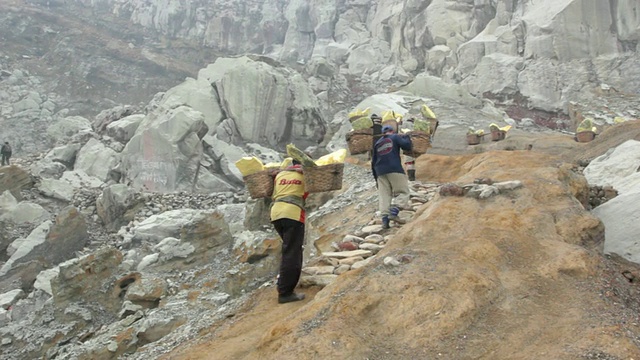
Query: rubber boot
[(283, 299), (393, 215), (385, 222), (411, 174)]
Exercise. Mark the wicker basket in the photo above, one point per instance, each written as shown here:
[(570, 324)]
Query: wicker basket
[(473, 139), (498, 135), (360, 141), (585, 136), (323, 178), (260, 184), (420, 143)]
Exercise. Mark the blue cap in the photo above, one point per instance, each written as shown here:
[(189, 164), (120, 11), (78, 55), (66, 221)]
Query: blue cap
[(387, 128)]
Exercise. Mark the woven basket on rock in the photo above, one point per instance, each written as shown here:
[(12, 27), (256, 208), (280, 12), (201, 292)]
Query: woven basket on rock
[(498, 135), (585, 136), (420, 143), (473, 139), (323, 178), (260, 184), (360, 141)]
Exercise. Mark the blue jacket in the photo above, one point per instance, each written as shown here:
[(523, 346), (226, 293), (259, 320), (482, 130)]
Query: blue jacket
[(386, 154)]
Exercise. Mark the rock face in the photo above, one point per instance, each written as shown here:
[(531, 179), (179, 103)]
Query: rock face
[(618, 168), (268, 103), (180, 145), (14, 179), (165, 152), (519, 39), (117, 205)]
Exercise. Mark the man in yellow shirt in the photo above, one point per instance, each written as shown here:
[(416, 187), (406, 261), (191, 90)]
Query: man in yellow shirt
[(287, 217)]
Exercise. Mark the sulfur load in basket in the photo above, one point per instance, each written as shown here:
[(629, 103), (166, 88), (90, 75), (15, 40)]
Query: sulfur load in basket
[(360, 141), (420, 143), (323, 178), (259, 184)]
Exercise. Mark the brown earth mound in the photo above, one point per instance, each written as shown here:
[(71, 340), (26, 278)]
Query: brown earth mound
[(516, 276)]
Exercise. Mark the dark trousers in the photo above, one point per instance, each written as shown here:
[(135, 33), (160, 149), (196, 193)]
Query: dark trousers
[(292, 234), (5, 159)]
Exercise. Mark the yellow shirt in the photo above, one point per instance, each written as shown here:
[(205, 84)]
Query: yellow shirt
[(288, 183)]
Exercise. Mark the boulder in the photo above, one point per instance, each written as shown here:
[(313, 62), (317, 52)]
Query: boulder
[(165, 153), (269, 104), (14, 179), (26, 213), (123, 130), (89, 278), (199, 95), (205, 230), (47, 168), (618, 167), (621, 226), (51, 243), (97, 160), (65, 128), (56, 189), (65, 154), (107, 117), (117, 205)]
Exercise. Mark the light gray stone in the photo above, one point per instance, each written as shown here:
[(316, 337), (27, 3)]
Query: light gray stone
[(11, 297)]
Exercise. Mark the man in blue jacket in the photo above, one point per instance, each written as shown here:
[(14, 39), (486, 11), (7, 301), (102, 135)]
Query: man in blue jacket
[(389, 174)]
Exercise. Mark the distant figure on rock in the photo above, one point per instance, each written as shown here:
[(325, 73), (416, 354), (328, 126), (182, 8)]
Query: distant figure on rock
[(6, 153), (287, 217), (387, 170)]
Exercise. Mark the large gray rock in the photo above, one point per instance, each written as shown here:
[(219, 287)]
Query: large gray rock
[(123, 130), (620, 218), (198, 94), (617, 168), (26, 246), (65, 154), (165, 153), (87, 278), (26, 213), (269, 104), (47, 168), (65, 128), (184, 224), (49, 244), (97, 160), (56, 189), (117, 205)]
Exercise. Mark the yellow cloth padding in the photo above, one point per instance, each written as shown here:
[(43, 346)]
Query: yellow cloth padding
[(335, 157), (357, 113), (249, 165), (618, 120), (426, 112)]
